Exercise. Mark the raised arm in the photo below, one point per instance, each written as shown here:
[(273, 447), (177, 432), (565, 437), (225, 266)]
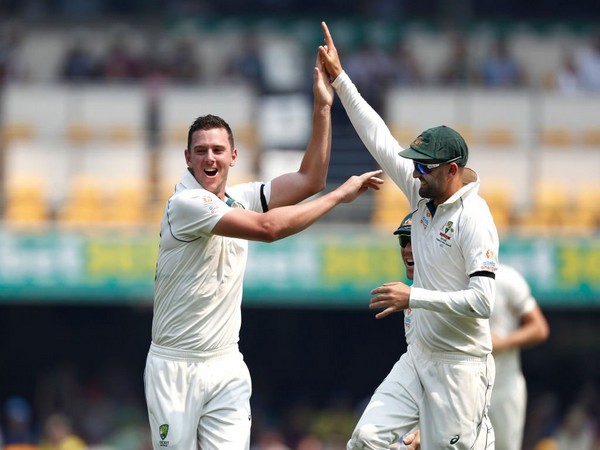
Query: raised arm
[(311, 177), (278, 223)]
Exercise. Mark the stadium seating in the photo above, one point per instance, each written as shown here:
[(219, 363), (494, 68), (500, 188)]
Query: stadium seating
[(499, 196), (390, 206), (549, 210), (86, 205), (26, 205)]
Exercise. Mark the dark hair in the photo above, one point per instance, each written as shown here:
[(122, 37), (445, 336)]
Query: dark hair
[(209, 122)]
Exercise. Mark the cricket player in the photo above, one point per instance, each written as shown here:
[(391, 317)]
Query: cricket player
[(443, 382), (517, 322), (197, 384)]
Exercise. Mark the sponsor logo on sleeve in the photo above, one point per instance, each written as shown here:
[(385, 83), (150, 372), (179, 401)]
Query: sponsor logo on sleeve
[(490, 262)]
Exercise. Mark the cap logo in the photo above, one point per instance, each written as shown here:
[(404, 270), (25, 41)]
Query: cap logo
[(418, 141)]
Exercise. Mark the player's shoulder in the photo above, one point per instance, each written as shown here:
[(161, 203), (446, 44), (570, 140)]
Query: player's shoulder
[(185, 195), (243, 189)]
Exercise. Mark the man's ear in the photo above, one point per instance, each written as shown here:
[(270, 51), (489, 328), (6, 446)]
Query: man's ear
[(188, 160), (453, 169), (234, 155)]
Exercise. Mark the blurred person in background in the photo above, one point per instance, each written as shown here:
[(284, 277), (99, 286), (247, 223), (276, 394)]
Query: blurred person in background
[(183, 63), (404, 69), (500, 68), (587, 60), (197, 384), (270, 440), (371, 70), (456, 255), (120, 63), (247, 64), (457, 70), (59, 435), (79, 64), (567, 79), (18, 430), (12, 63), (516, 322)]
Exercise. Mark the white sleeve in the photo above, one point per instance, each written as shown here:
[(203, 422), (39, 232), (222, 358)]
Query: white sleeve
[(476, 301), (194, 213)]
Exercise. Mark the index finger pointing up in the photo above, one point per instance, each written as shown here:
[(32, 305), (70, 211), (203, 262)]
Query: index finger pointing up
[(328, 40)]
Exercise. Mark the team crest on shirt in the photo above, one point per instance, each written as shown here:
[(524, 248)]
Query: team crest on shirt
[(212, 207), (163, 431), (446, 233)]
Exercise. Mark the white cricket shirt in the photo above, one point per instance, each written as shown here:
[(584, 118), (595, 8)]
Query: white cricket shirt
[(513, 299), (199, 276), (450, 310)]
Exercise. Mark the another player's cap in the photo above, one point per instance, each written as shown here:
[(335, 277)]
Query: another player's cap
[(405, 226), (438, 145)]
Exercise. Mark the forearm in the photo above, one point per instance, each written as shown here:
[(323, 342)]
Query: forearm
[(533, 330), (315, 162), (279, 223)]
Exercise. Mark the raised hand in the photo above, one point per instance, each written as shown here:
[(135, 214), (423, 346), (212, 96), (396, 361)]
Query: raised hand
[(329, 55), (358, 184), (322, 90)]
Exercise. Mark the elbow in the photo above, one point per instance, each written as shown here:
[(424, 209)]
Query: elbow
[(270, 232), (320, 186), (485, 312), (269, 236), (316, 186)]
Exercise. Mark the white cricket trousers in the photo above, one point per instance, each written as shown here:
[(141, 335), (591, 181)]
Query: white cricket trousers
[(507, 411), (446, 395), (198, 400)]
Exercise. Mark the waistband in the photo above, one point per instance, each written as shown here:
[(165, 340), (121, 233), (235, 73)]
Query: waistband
[(174, 353), (446, 356)]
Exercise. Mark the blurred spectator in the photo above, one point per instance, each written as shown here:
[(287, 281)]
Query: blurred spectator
[(310, 442), (567, 79), (58, 435), (182, 64), (119, 63), (370, 69), (334, 424), (542, 419), (59, 389), (457, 70), (404, 70), (19, 431), (576, 431), (248, 65), (79, 64), (270, 440), (500, 68), (12, 64), (587, 60)]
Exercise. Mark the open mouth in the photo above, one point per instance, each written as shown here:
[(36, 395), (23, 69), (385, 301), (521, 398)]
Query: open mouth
[(409, 262), (210, 172)]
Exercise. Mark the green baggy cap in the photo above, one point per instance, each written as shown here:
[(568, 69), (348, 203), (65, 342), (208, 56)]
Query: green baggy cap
[(438, 144)]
